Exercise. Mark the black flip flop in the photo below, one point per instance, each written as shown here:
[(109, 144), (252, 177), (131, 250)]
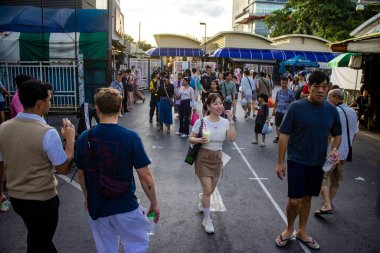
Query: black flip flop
[(323, 212)]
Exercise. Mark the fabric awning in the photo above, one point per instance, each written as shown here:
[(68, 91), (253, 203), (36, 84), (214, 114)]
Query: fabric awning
[(170, 51), (271, 54)]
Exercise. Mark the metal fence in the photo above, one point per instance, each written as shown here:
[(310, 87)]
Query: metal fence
[(142, 64), (61, 75)]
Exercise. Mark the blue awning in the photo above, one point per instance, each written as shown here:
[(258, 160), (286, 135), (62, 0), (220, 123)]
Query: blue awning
[(169, 51), (271, 54)]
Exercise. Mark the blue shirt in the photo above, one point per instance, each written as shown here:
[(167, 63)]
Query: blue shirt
[(118, 86), (192, 83), (283, 99), (51, 142), (308, 126), (118, 150)]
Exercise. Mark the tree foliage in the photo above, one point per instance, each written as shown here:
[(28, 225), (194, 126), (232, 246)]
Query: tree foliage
[(144, 45), (329, 19)]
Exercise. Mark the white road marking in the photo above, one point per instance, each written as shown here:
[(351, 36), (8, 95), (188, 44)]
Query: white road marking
[(254, 178), (369, 135), (305, 249), (154, 147), (360, 179), (225, 158), (235, 148), (73, 183)]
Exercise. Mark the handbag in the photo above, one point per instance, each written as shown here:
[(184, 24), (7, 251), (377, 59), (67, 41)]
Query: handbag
[(108, 186), (171, 100), (349, 155), (193, 150)]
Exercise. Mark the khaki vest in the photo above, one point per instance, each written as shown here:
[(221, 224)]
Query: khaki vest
[(29, 173)]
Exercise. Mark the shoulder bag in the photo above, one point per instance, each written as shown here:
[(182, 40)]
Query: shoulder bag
[(193, 150), (171, 100), (349, 155), (108, 186)]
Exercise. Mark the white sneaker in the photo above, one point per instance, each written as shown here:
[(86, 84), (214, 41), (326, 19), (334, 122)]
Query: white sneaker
[(209, 227), (184, 135), (255, 142), (262, 144), (120, 115), (177, 133), (200, 206)]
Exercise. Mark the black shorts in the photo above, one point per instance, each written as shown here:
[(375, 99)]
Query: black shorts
[(304, 180), (2, 106), (258, 128), (278, 118)]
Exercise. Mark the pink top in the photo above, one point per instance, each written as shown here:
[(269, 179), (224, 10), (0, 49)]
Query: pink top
[(16, 105)]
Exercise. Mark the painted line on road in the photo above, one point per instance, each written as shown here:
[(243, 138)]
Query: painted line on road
[(73, 183), (254, 178), (369, 135), (305, 249)]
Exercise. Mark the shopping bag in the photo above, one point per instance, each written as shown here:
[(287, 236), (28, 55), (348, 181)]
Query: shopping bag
[(270, 102), (194, 118), (267, 129)]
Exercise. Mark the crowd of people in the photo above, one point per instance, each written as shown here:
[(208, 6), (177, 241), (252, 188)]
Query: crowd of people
[(308, 130)]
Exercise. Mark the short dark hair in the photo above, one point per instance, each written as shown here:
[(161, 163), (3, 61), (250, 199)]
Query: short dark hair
[(335, 86), (317, 77), (22, 78), (264, 97), (194, 70), (284, 78), (33, 90), (227, 73), (208, 67), (246, 72)]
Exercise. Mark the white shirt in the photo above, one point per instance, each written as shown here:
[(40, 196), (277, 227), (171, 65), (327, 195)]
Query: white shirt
[(246, 86), (218, 132), (353, 128)]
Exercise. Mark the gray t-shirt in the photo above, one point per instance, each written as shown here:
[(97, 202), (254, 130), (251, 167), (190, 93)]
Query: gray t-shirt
[(228, 90), (308, 126)]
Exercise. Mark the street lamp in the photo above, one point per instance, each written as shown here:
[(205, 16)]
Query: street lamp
[(203, 23)]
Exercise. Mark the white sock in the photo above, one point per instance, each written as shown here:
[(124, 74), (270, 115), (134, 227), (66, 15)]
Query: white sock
[(206, 212)]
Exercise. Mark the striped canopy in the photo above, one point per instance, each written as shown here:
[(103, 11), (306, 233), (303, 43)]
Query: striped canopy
[(170, 51), (271, 54)]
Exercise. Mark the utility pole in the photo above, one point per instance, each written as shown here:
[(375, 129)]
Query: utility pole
[(109, 42), (204, 57), (138, 43)]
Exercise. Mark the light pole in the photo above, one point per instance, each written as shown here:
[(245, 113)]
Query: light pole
[(204, 57)]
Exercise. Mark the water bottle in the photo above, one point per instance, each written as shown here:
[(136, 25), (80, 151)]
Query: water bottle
[(152, 224), (329, 163), (4, 206)]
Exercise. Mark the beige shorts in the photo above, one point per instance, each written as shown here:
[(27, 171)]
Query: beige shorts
[(334, 176), (208, 163)]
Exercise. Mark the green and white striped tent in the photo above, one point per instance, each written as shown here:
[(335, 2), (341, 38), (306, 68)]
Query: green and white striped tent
[(20, 46)]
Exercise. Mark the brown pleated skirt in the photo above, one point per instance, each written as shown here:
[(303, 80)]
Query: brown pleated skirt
[(208, 163)]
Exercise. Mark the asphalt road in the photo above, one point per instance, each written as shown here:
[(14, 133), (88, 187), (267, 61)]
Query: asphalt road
[(251, 200)]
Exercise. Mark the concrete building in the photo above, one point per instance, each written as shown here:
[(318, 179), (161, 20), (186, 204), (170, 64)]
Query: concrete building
[(248, 15)]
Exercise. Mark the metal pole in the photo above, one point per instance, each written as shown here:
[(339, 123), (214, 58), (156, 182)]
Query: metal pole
[(138, 43), (109, 47), (205, 41)]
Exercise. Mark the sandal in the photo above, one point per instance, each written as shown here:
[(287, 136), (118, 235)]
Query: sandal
[(168, 130), (323, 212), (281, 241), (310, 243)]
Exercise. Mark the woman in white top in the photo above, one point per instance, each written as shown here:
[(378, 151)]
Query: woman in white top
[(187, 97), (208, 164)]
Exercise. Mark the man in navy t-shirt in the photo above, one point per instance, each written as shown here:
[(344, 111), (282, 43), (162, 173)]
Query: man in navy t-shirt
[(116, 151), (304, 133)]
